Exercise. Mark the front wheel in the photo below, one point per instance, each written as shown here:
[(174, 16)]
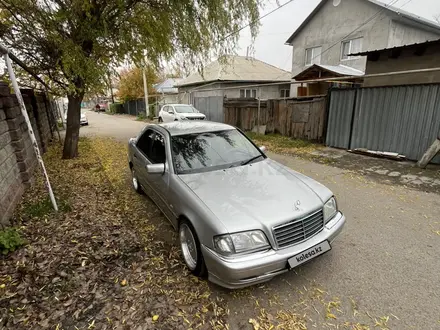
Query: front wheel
[(190, 245), (160, 120)]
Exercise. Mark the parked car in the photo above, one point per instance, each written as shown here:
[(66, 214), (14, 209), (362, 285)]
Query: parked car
[(83, 121), (242, 218), (175, 112)]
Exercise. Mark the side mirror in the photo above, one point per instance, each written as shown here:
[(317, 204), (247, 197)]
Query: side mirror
[(155, 168), (263, 149), (171, 112)]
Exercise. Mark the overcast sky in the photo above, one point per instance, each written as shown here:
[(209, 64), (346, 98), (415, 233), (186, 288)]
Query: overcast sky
[(276, 28)]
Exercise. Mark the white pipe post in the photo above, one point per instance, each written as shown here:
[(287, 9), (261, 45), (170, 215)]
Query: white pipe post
[(31, 131), (147, 108), (144, 76)]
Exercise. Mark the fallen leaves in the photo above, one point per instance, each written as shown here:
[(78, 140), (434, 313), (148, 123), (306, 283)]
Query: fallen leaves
[(108, 261)]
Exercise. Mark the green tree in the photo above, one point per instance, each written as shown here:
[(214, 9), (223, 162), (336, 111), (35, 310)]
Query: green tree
[(74, 42), (131, 83)]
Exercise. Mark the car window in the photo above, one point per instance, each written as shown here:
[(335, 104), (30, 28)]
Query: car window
[(145, 142), (203, 152), (152, 145), (157, 155), (184, 109), (165, 108)]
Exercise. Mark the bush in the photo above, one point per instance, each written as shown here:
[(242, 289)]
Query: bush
[(10, 240), (116, 108), (141, 116)]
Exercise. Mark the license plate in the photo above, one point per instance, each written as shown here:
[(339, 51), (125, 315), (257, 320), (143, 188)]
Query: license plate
[(309, 254)]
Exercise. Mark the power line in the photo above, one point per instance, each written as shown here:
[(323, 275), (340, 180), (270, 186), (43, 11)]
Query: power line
[(255, 21), (360, 26), (405, 4)]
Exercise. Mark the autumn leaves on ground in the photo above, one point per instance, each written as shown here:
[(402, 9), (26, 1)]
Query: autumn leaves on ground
[(109, 260), (98, 263)]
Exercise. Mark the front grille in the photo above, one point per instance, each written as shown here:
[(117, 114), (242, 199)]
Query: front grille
[(298, 230), (201, 118)]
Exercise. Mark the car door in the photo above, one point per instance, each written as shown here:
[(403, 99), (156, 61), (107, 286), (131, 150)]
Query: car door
[(155, 185), (160, 183), (140, 160), (171, 113), (164, 113)]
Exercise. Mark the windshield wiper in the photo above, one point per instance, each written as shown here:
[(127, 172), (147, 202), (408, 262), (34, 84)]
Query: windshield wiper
[(246, 162)]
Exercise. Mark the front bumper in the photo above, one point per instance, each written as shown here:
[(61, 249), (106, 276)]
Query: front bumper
[(236, 273), (84, 122)]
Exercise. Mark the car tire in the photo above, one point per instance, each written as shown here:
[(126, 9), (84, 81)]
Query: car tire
[(160, 120), (190, 247), (135, 182)]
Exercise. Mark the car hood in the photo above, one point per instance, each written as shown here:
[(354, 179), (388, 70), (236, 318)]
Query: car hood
[(192, 115), (257, 196)]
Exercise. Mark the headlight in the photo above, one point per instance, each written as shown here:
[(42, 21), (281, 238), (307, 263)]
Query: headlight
[(241, 242), (330, 209)]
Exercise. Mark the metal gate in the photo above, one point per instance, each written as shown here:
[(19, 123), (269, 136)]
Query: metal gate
[(211, 107), (402, 119)]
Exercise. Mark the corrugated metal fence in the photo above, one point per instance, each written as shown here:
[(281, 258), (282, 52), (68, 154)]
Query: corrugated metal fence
[(402, 119), (211, 107)]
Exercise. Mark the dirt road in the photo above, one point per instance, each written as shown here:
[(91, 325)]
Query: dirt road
[(383, 271)]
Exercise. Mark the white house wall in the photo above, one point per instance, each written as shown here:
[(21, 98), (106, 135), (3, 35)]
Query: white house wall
[(329, 27), (402, 34)]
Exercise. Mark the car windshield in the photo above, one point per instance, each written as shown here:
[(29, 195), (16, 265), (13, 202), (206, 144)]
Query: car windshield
[(184, 109), (204, 152)]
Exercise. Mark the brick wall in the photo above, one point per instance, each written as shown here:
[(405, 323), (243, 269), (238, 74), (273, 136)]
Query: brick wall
[(17, 157)]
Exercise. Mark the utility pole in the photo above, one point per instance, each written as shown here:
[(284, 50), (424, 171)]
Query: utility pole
[(144, 74)]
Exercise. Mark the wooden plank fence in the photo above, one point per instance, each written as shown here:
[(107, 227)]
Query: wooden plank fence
[(300, 119)]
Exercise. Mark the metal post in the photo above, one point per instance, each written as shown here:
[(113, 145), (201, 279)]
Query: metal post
[(258, 111), (144, 75), (31, 131), (258, 116)]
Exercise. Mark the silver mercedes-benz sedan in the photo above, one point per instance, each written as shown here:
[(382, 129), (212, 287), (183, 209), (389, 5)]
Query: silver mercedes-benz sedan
[(242, 218)]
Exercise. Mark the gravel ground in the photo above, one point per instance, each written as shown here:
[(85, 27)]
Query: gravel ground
[(383, 271)]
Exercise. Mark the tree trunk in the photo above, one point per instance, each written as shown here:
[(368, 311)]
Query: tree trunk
[(73, 123)]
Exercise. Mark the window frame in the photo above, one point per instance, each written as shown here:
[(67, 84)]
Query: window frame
[(252, 91), (313, 49), (284, 90), (350, 42), (155, 133)]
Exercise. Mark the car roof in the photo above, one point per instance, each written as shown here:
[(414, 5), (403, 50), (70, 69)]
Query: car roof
[(173, 104), (183, 127)]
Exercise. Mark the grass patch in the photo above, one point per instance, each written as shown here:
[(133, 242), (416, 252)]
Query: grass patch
[(41, 208), (281, 141), (10, 240), (285, 145)]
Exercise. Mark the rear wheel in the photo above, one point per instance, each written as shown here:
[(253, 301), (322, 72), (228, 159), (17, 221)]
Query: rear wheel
[(135, 182), (191, 252)]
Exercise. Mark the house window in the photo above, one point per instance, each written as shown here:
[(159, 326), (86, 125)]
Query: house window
[(313, 55), (285, 93), (248, 93), (352, 46)]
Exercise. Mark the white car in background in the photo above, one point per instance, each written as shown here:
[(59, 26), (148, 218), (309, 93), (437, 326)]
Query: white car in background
[(175, 112)]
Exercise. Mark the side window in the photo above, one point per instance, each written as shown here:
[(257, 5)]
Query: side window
[(145, 142), (171, 108), (157, 155), (165, 108)]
